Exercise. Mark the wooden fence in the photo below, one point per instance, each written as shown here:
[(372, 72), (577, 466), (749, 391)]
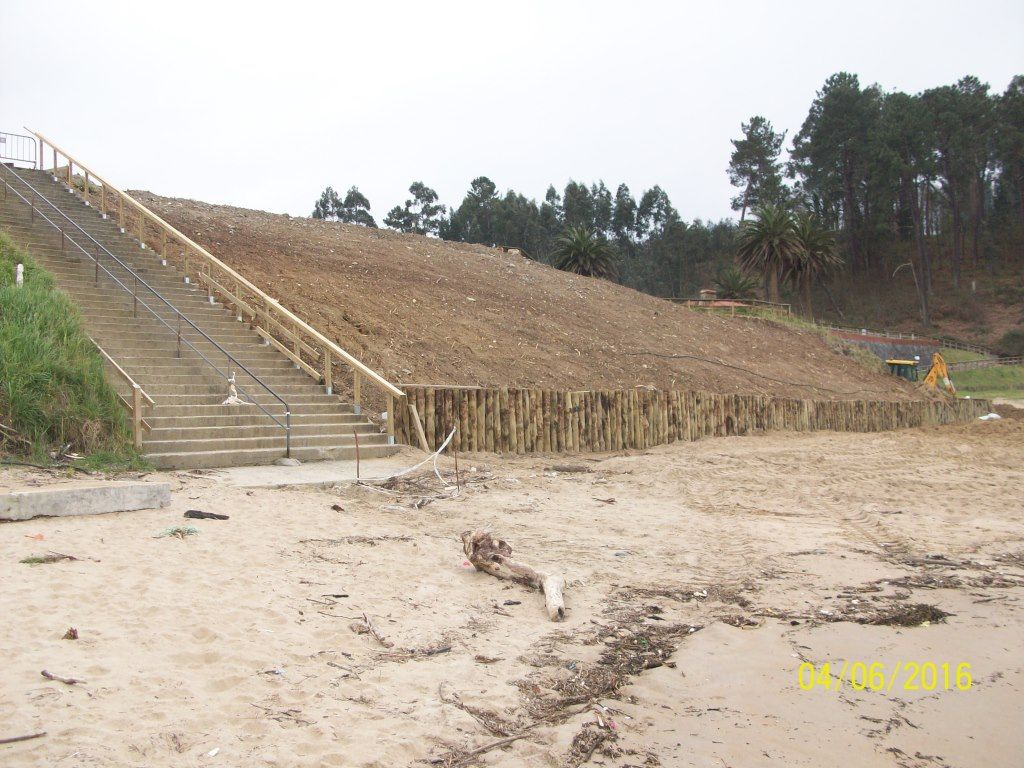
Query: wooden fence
[(971, 365), (548, 421)]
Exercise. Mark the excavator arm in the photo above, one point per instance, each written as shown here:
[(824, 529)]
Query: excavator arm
[(938, 375)]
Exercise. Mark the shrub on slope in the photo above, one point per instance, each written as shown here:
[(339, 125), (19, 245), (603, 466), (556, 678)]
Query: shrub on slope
[(53, 390)]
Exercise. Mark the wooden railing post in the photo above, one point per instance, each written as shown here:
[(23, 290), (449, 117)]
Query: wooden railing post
[(328, 373), (357, 391), (391, 419), (85, 188), (120, 212), (137, 415)]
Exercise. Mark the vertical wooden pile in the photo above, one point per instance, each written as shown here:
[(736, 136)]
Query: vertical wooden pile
[(505, 420)]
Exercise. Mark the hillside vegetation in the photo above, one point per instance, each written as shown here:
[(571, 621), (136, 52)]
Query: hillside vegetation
[(916, 199), (426, 311), (53, 390)]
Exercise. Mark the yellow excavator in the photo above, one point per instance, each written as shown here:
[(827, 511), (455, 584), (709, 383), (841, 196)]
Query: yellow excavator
[(936, 380)]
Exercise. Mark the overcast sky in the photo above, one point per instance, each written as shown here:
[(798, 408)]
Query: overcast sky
[(263, 104)]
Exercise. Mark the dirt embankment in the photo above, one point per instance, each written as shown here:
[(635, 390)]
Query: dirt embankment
[(425, 311)]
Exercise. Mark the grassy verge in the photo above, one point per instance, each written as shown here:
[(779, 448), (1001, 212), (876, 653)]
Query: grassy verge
[(995, 381), (959, 355), (53, 389)]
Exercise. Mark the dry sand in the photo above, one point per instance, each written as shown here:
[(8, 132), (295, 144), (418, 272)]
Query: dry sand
[(226, 641)]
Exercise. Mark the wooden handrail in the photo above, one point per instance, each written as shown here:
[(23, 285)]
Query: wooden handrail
[(122, 372), (285, 317), (138, 395)]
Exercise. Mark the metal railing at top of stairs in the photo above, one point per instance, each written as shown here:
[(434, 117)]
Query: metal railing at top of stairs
[(136, 301), (16, 148), (288, 333)]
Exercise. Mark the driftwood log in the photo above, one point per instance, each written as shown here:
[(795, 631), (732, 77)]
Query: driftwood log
[(494, 556)]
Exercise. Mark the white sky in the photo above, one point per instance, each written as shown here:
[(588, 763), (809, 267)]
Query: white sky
[(263, 104)]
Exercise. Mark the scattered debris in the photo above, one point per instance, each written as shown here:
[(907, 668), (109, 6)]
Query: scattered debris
[(285, 715), (180, 531), (493, 722), (370, 540), (196, 514), (914, 615), (59, 679), (494, 556), (586, 742), (366, 627), (481, 659), (569, 468), (52, 557), (26, 737), (337, 507), (71, 634)]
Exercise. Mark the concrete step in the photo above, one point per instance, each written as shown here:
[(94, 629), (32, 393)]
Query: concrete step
[(340, 420), (171, 365), (256, 443), (305, 400), (162, 434), (191, 408), (239, 458), (213, 390)]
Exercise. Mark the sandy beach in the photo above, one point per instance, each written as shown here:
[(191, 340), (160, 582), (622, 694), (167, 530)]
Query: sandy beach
[(699, 577)]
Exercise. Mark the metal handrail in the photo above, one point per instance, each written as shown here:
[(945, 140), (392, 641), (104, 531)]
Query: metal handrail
[(286, 426), (298, 326)]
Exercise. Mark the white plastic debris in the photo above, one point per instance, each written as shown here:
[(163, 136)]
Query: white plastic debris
[(213, 752), (19, 275), (989, 417)]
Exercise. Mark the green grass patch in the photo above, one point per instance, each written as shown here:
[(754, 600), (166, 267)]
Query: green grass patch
[(114, 461), (958, 355), (53, 389), (994, 381)]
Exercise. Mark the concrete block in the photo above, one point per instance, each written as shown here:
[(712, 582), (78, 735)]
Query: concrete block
[(82, 499)]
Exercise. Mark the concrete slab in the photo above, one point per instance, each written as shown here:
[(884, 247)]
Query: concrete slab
[(69, 499), (323, 474)]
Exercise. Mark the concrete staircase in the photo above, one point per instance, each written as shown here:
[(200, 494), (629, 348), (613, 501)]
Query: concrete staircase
[(190, 427)]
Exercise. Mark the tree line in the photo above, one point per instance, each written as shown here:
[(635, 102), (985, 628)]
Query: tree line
[(644, 241), (873, 179), (926, 180)]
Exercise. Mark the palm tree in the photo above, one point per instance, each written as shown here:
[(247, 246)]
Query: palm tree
[(765, 244), (733, 284), (815, 255), (582, 251)]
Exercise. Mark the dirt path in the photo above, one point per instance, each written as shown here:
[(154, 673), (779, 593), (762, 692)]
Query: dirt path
[(720, 566)]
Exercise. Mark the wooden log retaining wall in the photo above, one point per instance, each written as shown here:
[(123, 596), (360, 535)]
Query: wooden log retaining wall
[(505, 420)]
